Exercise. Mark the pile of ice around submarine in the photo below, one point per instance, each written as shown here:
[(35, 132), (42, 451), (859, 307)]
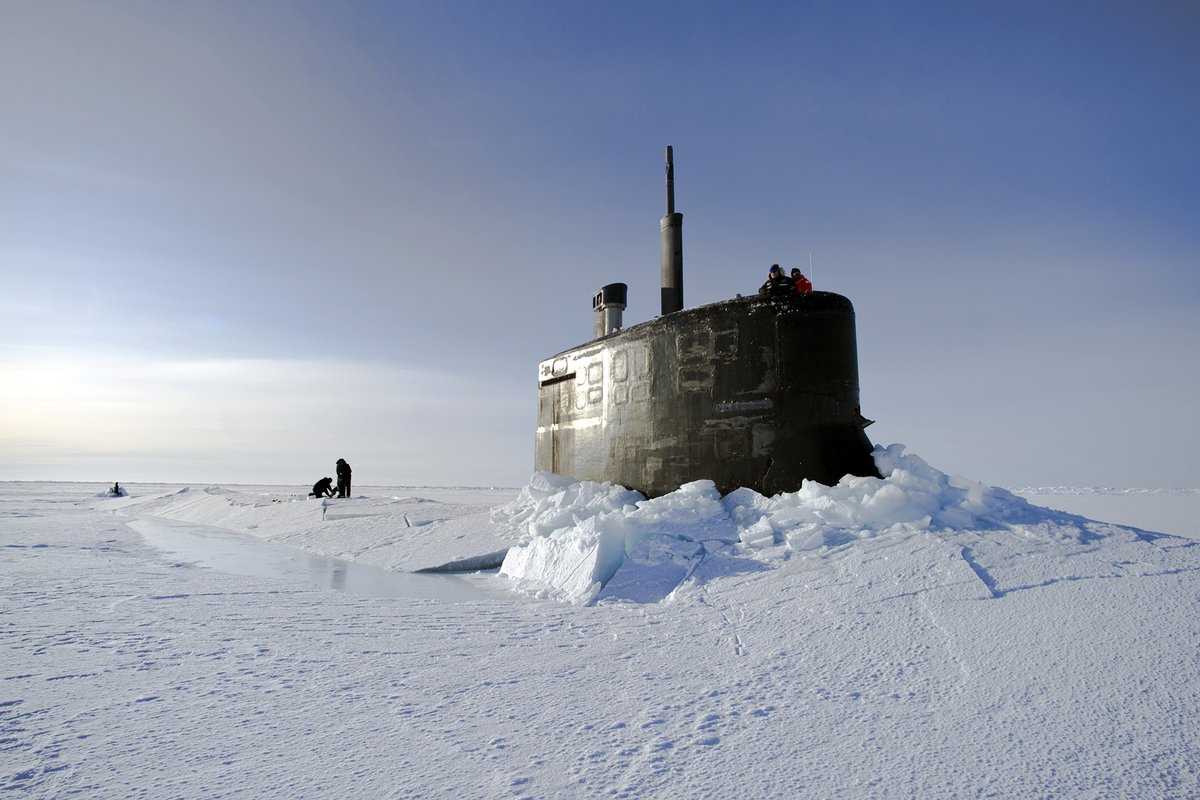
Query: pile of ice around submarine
[(584, 541)]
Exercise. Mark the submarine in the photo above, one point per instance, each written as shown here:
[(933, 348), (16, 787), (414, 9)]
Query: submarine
[(754, 392)]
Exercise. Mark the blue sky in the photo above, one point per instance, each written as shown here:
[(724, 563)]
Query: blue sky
[(242, 240)]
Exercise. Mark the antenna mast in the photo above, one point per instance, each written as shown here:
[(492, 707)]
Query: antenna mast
[(670, 182), (671, 228)]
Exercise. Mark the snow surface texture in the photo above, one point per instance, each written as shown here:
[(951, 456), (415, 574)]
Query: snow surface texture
[(915, 636)]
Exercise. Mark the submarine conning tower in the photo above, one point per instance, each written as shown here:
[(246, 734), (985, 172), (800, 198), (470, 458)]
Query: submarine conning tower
[(749, 392)]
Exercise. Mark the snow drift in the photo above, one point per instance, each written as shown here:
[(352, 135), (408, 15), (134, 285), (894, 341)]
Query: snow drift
[(582, 541)]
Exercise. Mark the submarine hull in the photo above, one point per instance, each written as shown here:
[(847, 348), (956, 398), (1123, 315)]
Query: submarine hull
[(747, 392)]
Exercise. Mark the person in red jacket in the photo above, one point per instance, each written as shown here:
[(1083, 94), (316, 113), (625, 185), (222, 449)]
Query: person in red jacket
[(803, 284)]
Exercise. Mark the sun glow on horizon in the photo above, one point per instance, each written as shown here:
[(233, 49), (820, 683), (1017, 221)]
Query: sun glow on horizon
[(59, 409)]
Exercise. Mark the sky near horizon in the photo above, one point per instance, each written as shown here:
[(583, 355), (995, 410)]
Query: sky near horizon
[(242, 240)]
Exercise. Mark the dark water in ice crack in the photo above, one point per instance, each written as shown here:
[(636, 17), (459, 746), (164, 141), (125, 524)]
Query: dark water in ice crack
[(242, 554)]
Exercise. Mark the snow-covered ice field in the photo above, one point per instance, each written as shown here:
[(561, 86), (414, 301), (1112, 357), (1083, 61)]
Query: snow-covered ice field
[(918, 636), (1175, 511)]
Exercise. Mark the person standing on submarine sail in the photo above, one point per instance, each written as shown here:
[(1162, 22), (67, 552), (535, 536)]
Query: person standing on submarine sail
[(778, 284), (343, 478), (803, 284)]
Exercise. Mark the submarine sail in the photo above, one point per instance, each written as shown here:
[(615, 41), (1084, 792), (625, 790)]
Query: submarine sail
[(753, 391)]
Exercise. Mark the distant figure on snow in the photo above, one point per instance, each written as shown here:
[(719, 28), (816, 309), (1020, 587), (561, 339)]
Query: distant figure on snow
[(778, 284), (322, 488), (116, 489), (343, 475), (803, 284)]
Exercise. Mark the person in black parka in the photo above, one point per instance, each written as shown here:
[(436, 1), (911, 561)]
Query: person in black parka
[(343, 476), (322, 488), (778, 285)]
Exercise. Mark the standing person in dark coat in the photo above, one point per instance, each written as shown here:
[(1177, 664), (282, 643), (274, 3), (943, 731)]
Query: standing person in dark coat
[(343, 476), (778, 284), (323, 488)]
